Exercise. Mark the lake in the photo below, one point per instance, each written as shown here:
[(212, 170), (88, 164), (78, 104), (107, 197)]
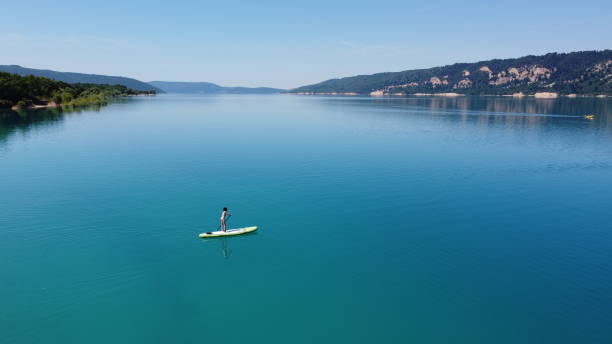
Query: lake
[(381, 220)]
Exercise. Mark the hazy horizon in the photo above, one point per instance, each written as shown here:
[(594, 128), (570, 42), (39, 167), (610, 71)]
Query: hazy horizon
[(286, 45)]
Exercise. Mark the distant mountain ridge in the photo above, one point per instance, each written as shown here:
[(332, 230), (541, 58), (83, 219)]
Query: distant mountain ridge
[(81, 78), (209, 88), (582, 73)]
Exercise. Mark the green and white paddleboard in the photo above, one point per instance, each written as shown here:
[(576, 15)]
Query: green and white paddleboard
[(233, 231)]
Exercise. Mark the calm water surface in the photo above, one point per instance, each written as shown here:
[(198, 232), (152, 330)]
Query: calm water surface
[(382, 220)]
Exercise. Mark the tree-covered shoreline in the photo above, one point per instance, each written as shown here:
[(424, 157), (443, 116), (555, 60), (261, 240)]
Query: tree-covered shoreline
[(23, 92), (583, 73)]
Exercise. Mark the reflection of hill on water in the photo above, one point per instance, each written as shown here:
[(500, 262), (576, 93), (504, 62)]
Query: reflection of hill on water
[(513, 111), (526, 105), (22, 121)]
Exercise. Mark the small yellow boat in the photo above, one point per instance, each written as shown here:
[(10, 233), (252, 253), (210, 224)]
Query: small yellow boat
[(233, 231), (589, 116)]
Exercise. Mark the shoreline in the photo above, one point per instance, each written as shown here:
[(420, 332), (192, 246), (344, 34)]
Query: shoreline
[(50, 105), (452, 95), (36, 106)]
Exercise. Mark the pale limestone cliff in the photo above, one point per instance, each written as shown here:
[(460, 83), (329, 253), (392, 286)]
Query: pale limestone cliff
[(546, 95), (486, 70), (465, 83)]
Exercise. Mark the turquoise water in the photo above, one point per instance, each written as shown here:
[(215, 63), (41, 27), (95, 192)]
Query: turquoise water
[(391, 220)]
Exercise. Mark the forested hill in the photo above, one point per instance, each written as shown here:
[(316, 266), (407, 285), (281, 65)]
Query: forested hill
[(23, 92), (582, 73), (79, 78), (209, 88)]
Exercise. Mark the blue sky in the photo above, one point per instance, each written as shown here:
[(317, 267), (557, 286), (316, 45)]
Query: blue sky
[(288, 44)]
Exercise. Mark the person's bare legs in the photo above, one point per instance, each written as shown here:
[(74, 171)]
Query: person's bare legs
[(223, 226)]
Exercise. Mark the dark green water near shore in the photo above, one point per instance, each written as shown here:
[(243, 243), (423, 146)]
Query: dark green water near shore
[(429, 220)]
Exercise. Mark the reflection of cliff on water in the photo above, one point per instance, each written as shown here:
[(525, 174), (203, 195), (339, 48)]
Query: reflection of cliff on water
[(525, 105), (510, 109), (22, 121)]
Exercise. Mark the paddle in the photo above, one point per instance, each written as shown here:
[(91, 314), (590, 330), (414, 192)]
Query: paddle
[(227, 218)]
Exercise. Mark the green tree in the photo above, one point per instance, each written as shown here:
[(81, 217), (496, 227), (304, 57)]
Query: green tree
[(5, 104), (67, 96), (24, 104), (56, 98)]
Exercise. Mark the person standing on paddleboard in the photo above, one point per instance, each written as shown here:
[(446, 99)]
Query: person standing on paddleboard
[(224, 216)]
